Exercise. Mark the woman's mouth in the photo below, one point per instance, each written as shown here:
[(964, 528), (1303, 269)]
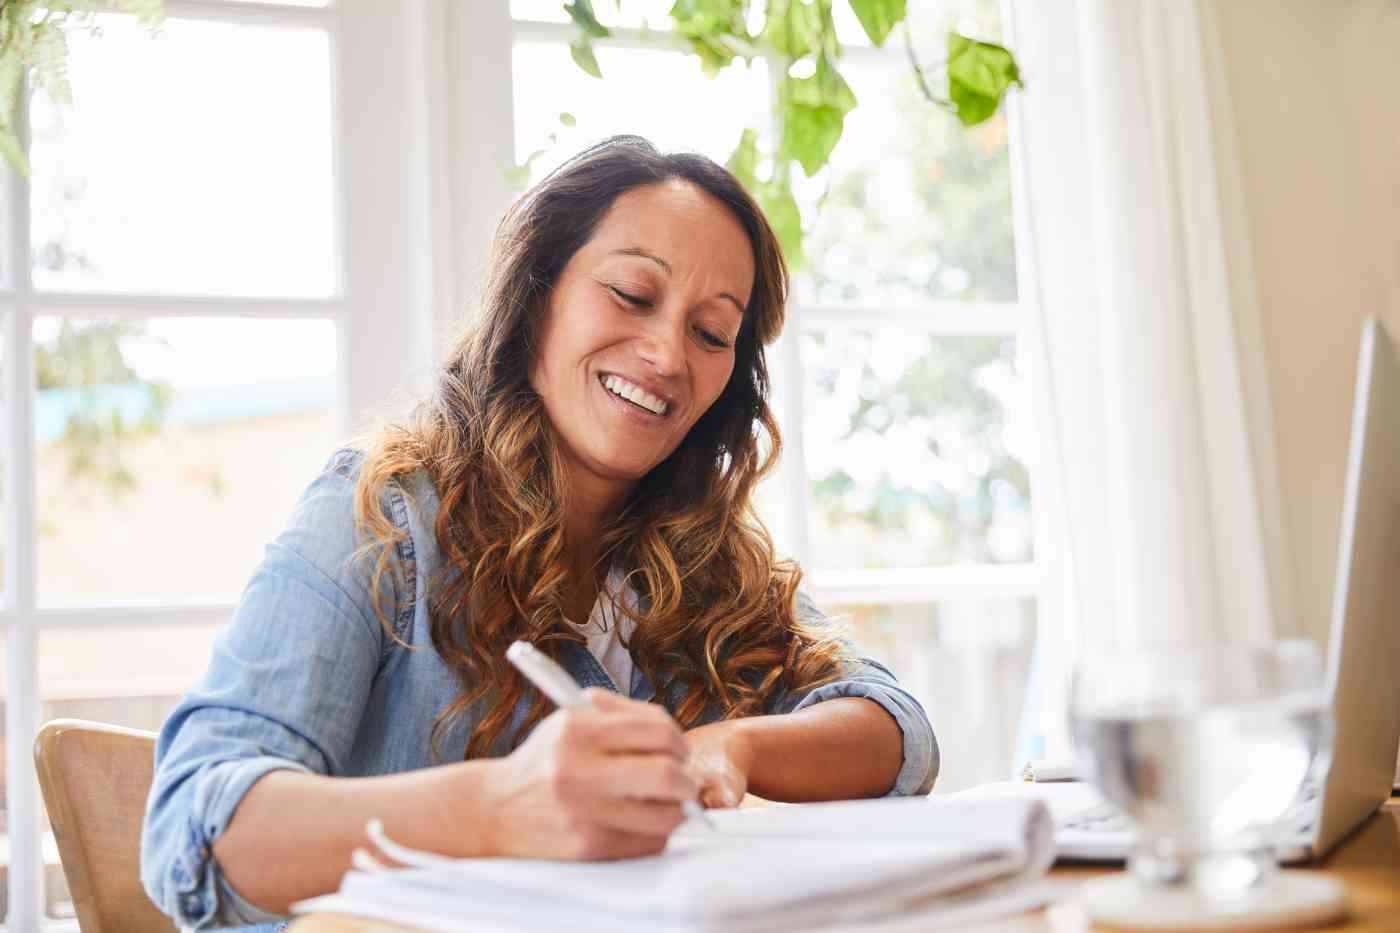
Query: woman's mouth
[(633, 395)]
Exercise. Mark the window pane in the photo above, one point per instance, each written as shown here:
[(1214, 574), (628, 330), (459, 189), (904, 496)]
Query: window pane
[(4, 456), (7, 278), (662, 95), (4, 782), (185, 168), (968, 662), (629, 14), (171, 449), (916, 449), (916, 207), (127, 676)]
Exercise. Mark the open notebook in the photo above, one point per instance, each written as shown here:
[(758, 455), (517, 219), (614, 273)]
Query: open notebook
[(858, 864)]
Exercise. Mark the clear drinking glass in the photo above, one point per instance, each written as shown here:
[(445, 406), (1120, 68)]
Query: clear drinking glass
[(1204, 750)]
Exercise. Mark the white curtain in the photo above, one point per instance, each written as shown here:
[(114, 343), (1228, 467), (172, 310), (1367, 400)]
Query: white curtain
[(1158, 517)]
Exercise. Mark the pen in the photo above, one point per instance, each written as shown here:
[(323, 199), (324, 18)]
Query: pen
[(555, 683)]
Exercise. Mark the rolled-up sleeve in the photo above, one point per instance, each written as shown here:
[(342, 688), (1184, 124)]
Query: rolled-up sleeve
[(285, 689), (873, 681)]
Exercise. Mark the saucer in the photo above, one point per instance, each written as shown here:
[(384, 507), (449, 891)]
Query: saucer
[(1290, 900)]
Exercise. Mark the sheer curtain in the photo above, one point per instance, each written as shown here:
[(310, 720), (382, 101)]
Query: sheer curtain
[(1158, 510)]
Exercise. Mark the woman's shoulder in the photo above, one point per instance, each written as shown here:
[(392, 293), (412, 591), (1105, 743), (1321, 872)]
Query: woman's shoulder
[(334, 520), (331, 529), (400, 494)]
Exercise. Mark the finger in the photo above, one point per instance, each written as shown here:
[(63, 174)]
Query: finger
[(610, 844), (718, 797), (624, 733), (644, 777), (649, 818), (612, 724), (605, 699), (717, 790), (608, 701), (621, 731)]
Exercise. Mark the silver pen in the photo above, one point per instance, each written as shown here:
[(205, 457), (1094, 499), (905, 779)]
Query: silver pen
[(554, 682)]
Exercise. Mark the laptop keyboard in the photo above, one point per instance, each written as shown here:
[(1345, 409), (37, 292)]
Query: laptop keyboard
[(1299, 818), (1101, 818)]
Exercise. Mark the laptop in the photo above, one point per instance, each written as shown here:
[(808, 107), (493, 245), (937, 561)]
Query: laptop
[(1363, 673)]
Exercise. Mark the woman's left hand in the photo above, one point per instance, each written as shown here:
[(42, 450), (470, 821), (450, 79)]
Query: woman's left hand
[(720, 760)]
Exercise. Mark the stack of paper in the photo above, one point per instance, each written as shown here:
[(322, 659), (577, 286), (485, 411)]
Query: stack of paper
[(1046, 770), (770, 868)]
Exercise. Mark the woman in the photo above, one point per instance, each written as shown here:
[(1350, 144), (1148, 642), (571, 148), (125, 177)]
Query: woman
[(581, 479)]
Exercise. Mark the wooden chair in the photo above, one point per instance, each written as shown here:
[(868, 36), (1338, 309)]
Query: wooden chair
[(94, 778)]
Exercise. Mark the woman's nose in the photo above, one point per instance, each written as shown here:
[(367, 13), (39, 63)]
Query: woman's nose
[(663, 346)]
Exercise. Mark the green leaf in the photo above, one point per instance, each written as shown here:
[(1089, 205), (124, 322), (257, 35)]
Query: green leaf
[(581, 12), (780, 207), (714, 55), (878, 17), (825, 88), (518, 176), (11, 70), (814, 115), (13, 151), (743, 162), (810, 134), (582, 51), (979, 74), (791, 27), (715, 30), (707, 17), (568, 119)]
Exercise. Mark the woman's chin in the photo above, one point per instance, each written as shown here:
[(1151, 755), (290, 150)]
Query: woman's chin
[(621, 467), (628, 470)]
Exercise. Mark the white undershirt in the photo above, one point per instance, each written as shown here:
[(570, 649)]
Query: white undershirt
[(605, 629)]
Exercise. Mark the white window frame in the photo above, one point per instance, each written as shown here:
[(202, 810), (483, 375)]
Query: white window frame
[(381, 230)]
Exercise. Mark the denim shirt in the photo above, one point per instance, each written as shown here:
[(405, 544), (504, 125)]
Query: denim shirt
[(305, 678)]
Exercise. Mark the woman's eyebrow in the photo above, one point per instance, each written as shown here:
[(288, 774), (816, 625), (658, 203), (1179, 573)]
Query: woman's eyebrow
[(638, 251), (666, 267)]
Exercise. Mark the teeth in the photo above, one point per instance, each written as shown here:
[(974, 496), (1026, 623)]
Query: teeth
[(636, 394)]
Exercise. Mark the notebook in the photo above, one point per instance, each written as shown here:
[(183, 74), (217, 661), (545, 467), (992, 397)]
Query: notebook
[(858, 864)]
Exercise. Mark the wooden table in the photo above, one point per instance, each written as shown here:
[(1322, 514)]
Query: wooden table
[(1368, 864)]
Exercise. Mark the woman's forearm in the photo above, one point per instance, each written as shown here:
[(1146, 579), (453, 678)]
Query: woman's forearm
[(291, 835), (838, 749)]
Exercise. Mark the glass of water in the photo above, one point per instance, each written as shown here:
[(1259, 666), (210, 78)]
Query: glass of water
[(1204, 750)]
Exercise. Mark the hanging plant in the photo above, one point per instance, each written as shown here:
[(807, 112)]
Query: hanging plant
[(812, 99), (34, 53)]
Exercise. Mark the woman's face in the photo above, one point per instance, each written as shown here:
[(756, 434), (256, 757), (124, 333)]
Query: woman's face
[(638, 339)]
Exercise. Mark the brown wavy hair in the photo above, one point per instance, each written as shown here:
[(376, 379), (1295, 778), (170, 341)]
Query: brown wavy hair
[(715, 626)]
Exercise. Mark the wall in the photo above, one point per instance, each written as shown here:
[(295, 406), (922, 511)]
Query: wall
[(1314, 91)]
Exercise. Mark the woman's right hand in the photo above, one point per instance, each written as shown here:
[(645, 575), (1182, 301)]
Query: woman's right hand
[(603, 780)]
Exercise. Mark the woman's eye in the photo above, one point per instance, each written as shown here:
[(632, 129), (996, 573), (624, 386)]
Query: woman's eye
[(714, 340), (635, 300)]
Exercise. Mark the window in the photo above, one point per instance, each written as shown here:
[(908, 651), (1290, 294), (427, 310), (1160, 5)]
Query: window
[(190, 320), (904, 488), (172, 328)]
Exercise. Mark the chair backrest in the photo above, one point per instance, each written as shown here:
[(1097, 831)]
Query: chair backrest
[(95, 778)]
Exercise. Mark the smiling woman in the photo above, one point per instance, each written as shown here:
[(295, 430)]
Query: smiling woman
[(581, 478)]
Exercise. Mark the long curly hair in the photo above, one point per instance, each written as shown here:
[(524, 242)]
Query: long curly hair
[(715, 618)]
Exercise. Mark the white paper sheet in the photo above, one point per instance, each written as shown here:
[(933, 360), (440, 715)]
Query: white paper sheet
[(792, 867)]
